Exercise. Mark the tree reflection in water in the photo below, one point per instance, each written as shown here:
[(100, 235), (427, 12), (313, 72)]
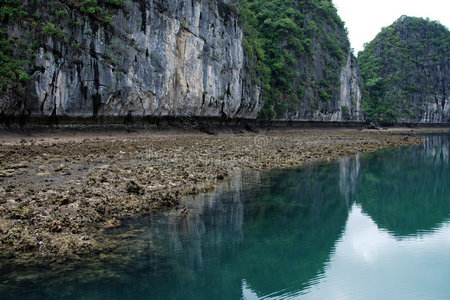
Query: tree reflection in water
[(270, 233), (407, 191)]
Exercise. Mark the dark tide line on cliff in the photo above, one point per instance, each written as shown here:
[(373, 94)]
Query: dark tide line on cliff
[(205, 124)]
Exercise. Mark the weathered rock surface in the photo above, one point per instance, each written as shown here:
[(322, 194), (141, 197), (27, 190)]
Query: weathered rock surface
[(347, 105), (154, 58), (158, 58), (351, 83)]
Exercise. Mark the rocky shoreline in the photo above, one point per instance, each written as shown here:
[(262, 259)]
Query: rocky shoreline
[(60, 191)]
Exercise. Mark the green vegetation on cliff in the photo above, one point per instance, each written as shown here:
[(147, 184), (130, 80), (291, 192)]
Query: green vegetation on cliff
[(13, 53), (298, 48), (16, 55), (406, 72)]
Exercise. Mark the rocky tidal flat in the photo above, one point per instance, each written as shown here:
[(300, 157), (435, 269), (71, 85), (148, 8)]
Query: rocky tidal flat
[(60, 192)]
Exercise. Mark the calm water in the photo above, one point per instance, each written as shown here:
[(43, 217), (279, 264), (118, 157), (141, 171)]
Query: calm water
[(375, 226)]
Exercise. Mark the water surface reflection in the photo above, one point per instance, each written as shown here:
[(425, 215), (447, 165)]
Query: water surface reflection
[(370, 263), (374, 222), (275, 236), (407, 191)]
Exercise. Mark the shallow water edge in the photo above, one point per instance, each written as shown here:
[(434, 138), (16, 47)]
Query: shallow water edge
[(58, 192)]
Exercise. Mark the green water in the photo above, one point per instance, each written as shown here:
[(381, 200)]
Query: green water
[(374, 226)]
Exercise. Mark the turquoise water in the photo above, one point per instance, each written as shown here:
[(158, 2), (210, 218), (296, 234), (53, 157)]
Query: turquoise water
[(374, 226)]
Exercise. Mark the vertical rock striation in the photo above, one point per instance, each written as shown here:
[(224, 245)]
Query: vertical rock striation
[(155, 58), (162, 58), (350, 105)]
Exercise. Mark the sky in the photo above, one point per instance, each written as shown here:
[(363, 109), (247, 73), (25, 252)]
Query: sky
[(370, 263), (365, 18)]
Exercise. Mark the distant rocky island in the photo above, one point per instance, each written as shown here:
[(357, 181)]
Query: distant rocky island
[(406, 71)]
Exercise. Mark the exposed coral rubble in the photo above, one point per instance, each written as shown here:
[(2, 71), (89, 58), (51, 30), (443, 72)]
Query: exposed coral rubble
[(57, 192)]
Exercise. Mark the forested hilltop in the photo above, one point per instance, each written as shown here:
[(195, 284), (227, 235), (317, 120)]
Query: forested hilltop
[(302, 49), (202, 58), (406, 71)]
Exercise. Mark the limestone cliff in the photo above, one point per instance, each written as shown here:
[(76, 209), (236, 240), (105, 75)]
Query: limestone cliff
[(345, 105), (155, 58), (158, 58), (304, 58)]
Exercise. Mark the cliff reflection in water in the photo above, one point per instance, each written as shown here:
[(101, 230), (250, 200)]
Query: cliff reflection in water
[(263, 234), (349, 168), (276, 237), (276, 234), (407, 191)]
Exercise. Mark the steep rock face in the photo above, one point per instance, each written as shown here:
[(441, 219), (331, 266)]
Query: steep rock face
[(350, 105), (154, 58), (175, 58), (346, 104), (305, 59), (406, 71)]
